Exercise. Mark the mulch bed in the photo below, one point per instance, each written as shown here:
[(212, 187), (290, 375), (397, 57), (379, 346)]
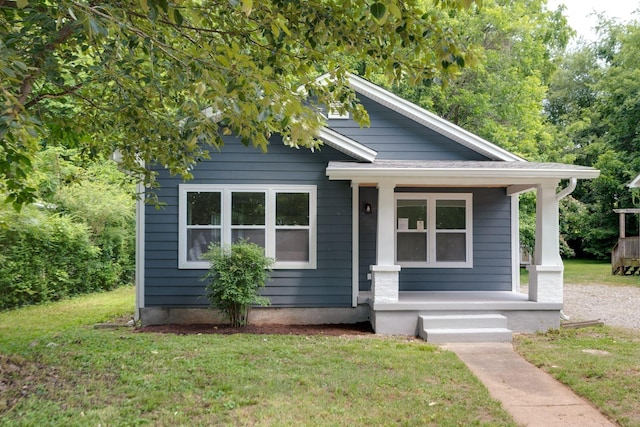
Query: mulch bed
[(363, 328)]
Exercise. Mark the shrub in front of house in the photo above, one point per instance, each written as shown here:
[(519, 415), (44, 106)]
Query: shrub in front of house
[(238, 272)]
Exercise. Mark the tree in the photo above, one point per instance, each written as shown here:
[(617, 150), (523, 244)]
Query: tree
[(594, 100), (163, 82), (515, 47), (500, 98)]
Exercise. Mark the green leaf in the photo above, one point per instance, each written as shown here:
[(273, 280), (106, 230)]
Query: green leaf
[(22, 3), (395, 11), (175, 16), (247, 6), (378, 10)]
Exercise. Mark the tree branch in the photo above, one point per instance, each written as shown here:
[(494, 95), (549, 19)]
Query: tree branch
[(27, 85), (66, 91)]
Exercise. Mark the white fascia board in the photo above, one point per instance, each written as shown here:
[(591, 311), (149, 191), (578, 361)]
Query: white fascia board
[(430, 120), (346, 145), (635, 183), (364, 174)]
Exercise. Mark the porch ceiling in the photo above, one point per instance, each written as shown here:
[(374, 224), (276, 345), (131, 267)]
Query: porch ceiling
[(472, 173)]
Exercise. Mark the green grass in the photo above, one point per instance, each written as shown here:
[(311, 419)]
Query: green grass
[(59, 370), (599, 363), (611, 380), (587, 272), (25, 325)]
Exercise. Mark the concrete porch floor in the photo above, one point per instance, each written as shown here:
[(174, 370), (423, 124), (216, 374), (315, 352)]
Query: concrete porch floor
[(401, 317)]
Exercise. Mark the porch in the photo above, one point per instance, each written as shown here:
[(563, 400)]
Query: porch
[(457, 307), (625, 255)]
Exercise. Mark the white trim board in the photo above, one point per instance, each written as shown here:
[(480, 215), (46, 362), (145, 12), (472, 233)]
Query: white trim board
[(346, 145)]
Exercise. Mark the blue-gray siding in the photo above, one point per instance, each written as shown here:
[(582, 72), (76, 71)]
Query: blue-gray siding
[(327, 286), (393, 136), (396, 137), (491, 247)]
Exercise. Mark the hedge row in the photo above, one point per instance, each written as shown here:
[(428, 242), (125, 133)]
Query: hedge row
[(47, 256), (82, 241)]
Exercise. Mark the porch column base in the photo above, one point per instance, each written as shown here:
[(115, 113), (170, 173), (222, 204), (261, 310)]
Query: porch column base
[(385, 283), (546, 283)]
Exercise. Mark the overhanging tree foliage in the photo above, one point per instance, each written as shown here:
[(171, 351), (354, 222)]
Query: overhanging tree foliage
[(163, 82), (516, 43)]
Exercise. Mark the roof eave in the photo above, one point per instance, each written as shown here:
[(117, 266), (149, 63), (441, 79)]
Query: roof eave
[(346, 145), (468, 174)]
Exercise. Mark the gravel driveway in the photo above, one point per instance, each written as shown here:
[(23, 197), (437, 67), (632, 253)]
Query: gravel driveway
[(614, 305)]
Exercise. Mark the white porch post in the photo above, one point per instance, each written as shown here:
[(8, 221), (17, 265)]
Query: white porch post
[(546, 275), (385, 274)]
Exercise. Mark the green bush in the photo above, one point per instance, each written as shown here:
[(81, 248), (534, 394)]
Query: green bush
[(45, 257), (83, 241), (235, 278), (109, 214)]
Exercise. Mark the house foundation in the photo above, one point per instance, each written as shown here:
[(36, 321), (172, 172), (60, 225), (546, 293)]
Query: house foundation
[(391, 318), (259, 316)]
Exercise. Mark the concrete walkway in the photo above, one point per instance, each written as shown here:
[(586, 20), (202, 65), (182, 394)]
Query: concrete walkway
[(530, 395)]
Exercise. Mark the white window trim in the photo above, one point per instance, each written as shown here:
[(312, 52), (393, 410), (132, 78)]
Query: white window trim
[(431, 229), (270, 226)]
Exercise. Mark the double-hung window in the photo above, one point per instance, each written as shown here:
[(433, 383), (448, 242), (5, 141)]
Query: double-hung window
[(434, 230), (279, 218)]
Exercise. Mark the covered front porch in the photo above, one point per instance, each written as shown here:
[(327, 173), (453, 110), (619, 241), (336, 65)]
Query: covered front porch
[(403, 316), (475, 299)]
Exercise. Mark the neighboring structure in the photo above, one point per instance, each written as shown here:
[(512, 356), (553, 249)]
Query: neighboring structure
[(625, 255), (410, 218)]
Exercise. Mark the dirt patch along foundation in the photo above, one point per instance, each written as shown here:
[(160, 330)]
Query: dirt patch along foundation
[(362, 328)]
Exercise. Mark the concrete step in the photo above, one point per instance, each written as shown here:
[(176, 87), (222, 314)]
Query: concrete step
[(440, 336), (455, 321), (457, 328)]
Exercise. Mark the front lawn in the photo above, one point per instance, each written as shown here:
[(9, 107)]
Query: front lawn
[(59, 370), (601, 364)]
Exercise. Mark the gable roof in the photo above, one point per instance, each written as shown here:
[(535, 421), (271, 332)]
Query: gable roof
[(635, 183), (428, 119)]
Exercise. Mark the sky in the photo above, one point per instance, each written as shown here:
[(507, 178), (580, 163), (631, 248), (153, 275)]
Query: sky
[(578, 11)]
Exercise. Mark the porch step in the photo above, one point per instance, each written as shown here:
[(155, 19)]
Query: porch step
[(464, 328)]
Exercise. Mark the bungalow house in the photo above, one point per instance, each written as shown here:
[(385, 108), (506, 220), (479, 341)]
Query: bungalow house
[(411, 224)]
